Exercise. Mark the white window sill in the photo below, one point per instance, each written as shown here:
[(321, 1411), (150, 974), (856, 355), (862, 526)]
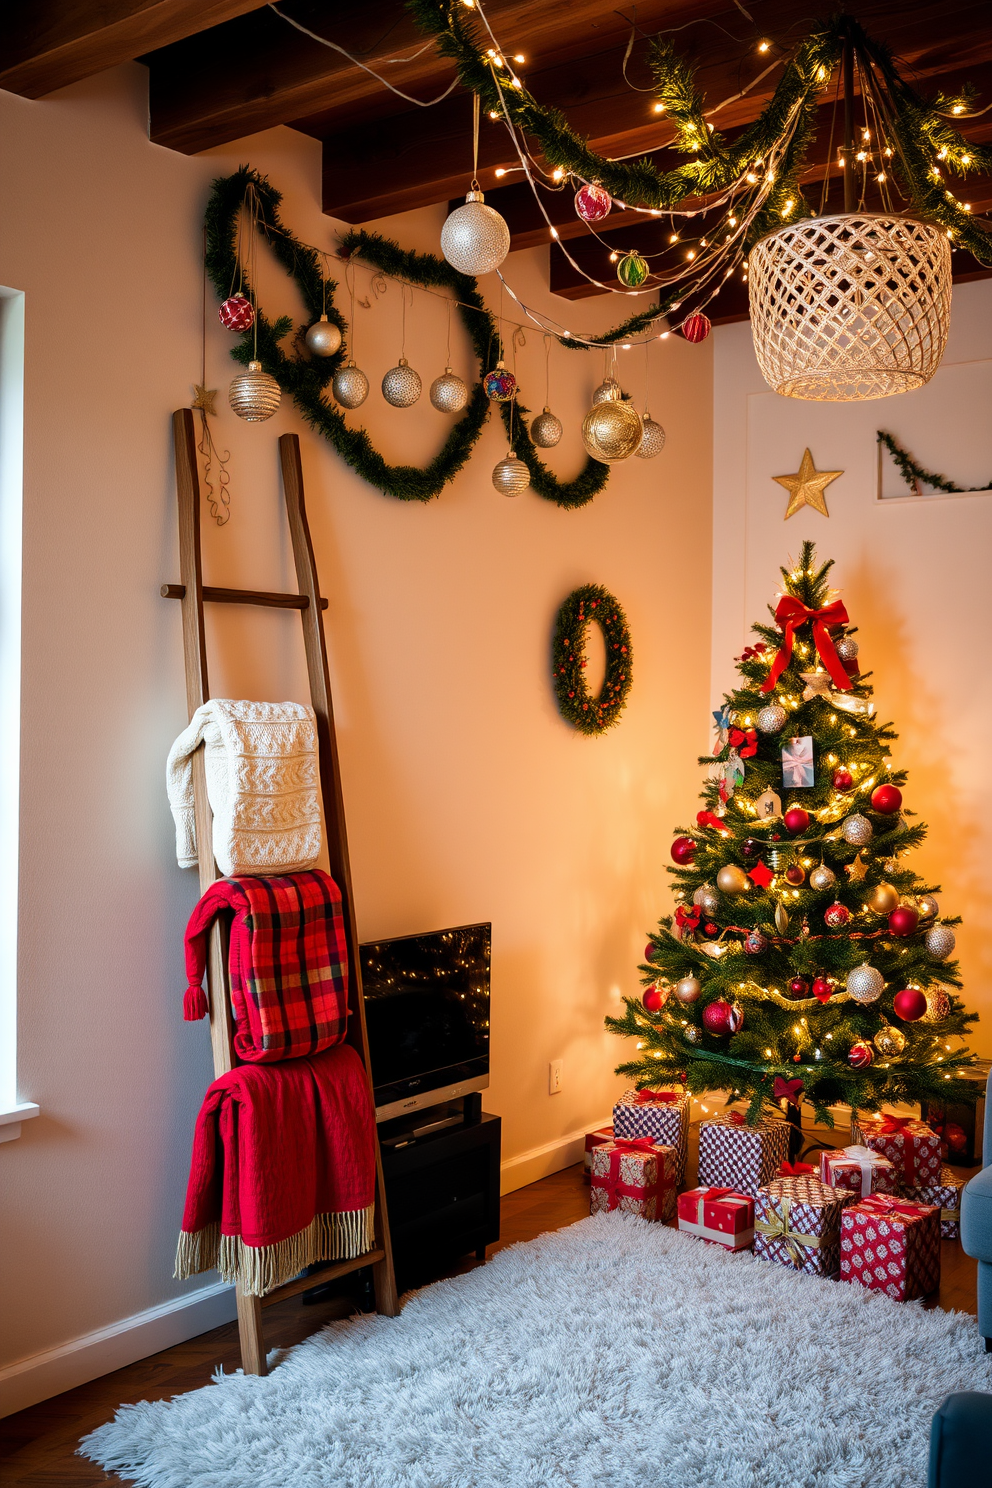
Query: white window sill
[(12, 1116)]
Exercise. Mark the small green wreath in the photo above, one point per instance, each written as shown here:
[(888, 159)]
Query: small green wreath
[(588, 714)]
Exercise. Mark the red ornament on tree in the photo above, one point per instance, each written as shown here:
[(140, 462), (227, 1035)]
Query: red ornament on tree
[(683, 850), (648, 951), (795, 874), (798, 988), (654, 999), (718, 1017), (843, 780), (796, 820), (910, 1004), (836, 915), (822, 989), (236, 314), (860, 1055), (593, 203), (696, 327), (903, 921), (887, 799)]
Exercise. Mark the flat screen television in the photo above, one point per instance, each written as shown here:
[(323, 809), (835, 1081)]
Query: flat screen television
[(427, 1010)]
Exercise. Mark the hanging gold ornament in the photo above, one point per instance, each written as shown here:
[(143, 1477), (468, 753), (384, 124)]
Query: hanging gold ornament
[(857, 830), (511, 476), (889, 1041), (612, 431), (324, 338), (938, 1006), (822, 878), (609, 391), (928, 907), (688, 989), (546, 430), (732, 880), (856, 871), (883, 899), (254, 395), (781, 919)]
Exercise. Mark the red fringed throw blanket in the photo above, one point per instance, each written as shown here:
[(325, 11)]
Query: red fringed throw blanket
[(288, 963), (283, 1171)]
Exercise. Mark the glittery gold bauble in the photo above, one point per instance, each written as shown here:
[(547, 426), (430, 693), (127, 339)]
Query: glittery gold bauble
[(707, 899), (652, 440), (889, 1041), (254, 395), (938, 1006), (688, 989), (883, 899), (771, 720), (511, 476), (448, 393), (608, 391), (324, 338), (781, 919), (857, 830), (928, 907), (350, 386), (940, 942), (865, 983), (822, 878), (401, 385), (474, 238), (691, 1034), (611, 431), (546, 430), (732, 880)]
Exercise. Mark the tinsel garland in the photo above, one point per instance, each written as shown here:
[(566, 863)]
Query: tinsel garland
[(584, 606), (305, 378), (914, 475)]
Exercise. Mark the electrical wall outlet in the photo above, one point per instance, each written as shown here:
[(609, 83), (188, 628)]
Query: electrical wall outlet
[(554, 1077)]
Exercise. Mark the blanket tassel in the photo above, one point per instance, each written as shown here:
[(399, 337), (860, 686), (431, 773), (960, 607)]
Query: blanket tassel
[(262, 1268)]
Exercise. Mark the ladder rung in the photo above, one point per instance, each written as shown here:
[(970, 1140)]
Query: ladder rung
[(318, 1278), (244, 596)]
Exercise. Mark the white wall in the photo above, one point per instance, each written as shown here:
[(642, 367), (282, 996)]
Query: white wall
[(467, 796), (913, 573)]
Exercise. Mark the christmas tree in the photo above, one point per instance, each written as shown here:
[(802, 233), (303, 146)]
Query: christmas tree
[(805, 961)]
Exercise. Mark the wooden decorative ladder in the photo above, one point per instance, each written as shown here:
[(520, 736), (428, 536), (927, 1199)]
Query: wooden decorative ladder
[(192, 593)]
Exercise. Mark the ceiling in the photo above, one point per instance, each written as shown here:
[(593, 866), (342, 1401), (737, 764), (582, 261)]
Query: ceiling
[(222, 69)]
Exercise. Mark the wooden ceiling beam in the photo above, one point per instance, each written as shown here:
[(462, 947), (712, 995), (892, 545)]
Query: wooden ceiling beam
[(47, 44)]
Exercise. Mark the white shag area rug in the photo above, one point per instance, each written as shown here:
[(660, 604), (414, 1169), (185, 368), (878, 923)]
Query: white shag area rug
[(613, 1354)]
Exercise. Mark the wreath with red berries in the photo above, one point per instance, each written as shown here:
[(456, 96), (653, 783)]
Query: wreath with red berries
[(591, 604)]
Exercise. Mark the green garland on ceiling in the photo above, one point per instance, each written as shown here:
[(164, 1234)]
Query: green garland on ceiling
[(913, 473), (584, 606), (306, 378)]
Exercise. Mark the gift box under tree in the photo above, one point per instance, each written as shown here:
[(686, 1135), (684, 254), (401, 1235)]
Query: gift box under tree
[(945, 1193), (662, 1115), (634, 1175), (860, 1169), (797, 1224), (718, 1215), (892, 1246), (734, 1153), (910, 1145), (594, 1139)]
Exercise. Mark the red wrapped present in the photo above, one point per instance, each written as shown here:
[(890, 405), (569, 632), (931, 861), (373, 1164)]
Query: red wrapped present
[(860, 1169), (891, 1245), (797, 1224), (909, 1144), (662, 1115), (945, 1192), (634, 1175), (718, 1214), (594, 1139), (736, 1154)]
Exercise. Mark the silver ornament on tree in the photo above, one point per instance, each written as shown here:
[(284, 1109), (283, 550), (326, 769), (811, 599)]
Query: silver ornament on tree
[(652, 439), (822, 878), (688, 989), (254, 395), (511, 476), (928, 907), (448, 393), (771, 720), (350, 386), (546, 430), (401, 385), (940, 942), (857, 830), (707, 899), (865, 983), (324, 337), (846, 648)]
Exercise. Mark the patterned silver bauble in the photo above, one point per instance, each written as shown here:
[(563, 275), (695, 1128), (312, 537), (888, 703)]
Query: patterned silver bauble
[(448, 393), (511, 476), (889, 1041), (822, 878), (350, 386), (846, 648), (940, 942), (691, 1034), (938, 1006), (865, 984), (609, 391), (474, 238), (401, 385), (324, 338), (928, 907), (546, 430), (771, 720), (652, 440), (611, 431), (254, 395), (707, 899), (688, 989), (857, 830)]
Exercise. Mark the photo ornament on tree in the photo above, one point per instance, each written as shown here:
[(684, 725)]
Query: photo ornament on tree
[(797, 764)]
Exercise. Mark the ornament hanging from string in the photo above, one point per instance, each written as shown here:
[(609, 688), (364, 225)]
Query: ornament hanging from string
[(401, 386), (592, 203), (254, 395), (653, 435), (546, 429), (350, 386), (448, 393), (324, 336), (475, 239)]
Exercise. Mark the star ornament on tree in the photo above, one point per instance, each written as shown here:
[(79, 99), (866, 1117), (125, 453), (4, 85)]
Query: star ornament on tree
[(807, 486), (857, 870), (817, 685)]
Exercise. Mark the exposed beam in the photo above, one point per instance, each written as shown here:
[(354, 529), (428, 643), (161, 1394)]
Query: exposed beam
[(47, 44)]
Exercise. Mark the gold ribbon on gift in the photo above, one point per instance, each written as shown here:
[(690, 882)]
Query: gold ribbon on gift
[(954, 1214), (777, 1228)]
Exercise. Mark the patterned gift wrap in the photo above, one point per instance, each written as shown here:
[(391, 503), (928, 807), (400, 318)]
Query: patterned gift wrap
[(892, 1246), (719, 1215), (734, 1154), (636, 1176), (910, 1145), (945, 1192), (860, 1169), (662, 1115), (594, 1139), (797, 1224)]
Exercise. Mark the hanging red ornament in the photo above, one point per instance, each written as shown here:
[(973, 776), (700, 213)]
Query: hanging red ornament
[(593, 203), (909, 1004), (236, 314), (836, 915), (755, 944), (752, 847), (795, 874), (654, 998), (696, 327), (860, 1055), (722, 1017), (843, 780), (648, 951), (887, 799), (822, 989), (798, 988), (683, 850), (903, 921), (796, 820)]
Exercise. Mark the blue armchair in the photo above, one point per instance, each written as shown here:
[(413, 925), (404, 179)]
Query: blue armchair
[(976, 1226)]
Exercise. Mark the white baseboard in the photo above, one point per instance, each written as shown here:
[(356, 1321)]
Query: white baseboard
[(538, 1162), (43, 1375)]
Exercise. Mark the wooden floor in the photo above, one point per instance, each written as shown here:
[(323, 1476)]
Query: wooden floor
[(37, 1446)]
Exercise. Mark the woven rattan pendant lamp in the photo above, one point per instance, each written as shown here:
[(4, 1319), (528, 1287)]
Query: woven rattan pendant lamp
[(852, 306)]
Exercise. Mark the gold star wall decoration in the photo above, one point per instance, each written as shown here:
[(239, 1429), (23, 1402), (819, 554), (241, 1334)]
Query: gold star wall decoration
[(203, 397), (807, 486)]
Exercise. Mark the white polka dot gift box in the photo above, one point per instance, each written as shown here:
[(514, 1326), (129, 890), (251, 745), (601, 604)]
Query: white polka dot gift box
[(892, 1246)]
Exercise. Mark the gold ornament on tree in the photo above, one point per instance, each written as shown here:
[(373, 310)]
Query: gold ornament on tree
[(938, 1006), (889, 1041), (883, 899), (688, 989), (822, 878), (732, 880)]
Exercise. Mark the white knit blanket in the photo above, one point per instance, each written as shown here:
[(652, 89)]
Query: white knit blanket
[(262, 785)]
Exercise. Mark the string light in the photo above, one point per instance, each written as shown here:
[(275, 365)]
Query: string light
[(763, 46), (658, 108)]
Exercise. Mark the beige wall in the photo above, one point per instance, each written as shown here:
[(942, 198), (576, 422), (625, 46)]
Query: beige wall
[(467, 797)]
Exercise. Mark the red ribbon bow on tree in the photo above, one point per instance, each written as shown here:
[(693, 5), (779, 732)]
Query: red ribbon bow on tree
[(709, 819), (659, 1097), (687, 920), (795, 1170), (790, 614), (788, 1090), (748, 737)]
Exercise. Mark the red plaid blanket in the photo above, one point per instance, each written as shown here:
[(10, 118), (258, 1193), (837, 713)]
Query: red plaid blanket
[(288, 963)]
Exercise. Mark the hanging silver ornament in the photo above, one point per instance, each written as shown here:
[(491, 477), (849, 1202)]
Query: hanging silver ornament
[(846, 648), (254, 395), (350, 386), (652, 440), (324, 338), (511, 476), (546, 430), (609, 391), (940, 942), (448, 393), (474, 238), (928, 907), (865, 983), (691, 1034), (938, 1006), (771, 720), (707, 899), (822, 878), (857, 830), (611, 431), (889, 1041), (688, 989), (401, 385)]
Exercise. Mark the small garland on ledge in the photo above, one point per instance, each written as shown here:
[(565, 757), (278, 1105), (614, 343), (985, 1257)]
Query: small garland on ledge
[(914, 475), (575, 702)]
